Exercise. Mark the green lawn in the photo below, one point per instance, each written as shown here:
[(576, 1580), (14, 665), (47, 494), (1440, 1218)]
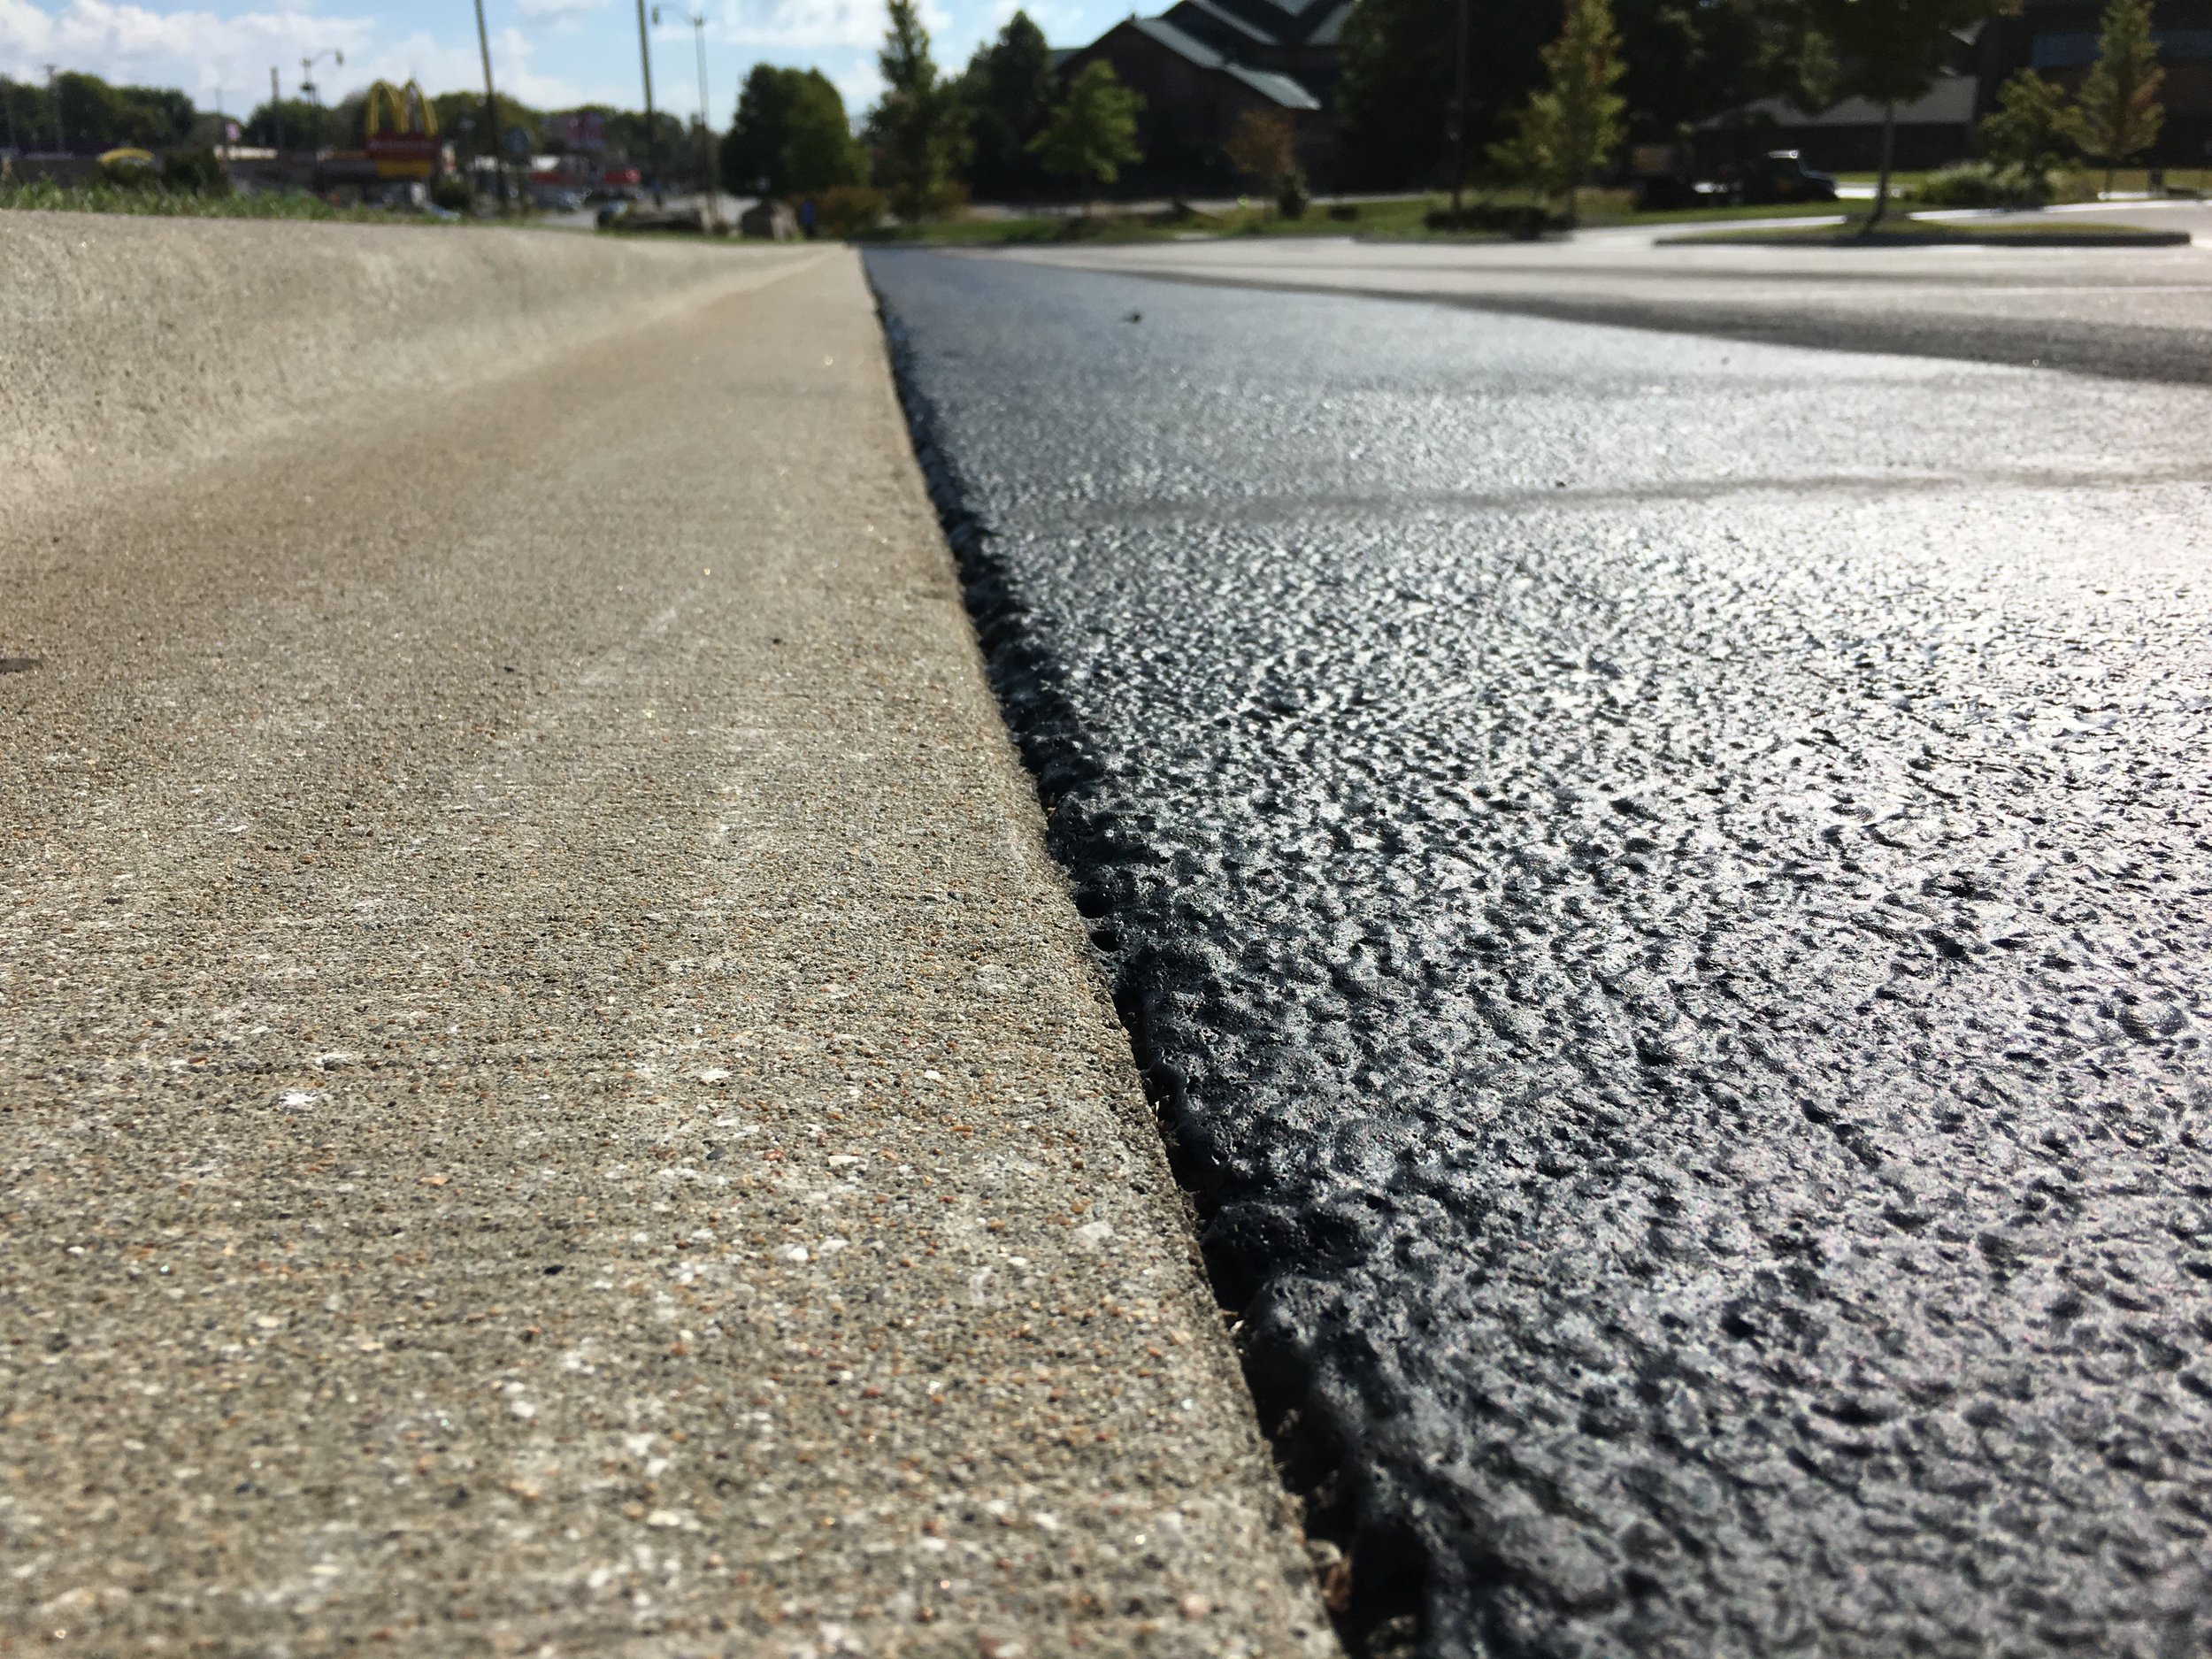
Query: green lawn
[(1401, 217), (43, 195), (2075, 184)]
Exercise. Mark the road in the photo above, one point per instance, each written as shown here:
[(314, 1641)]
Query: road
[(2129, 313), (1661, 881), (551, 1100)]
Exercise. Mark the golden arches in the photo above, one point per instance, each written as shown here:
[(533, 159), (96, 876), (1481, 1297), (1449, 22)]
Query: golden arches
[(399, 112)]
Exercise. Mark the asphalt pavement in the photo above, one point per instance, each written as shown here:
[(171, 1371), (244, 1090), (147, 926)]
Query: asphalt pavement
[(551, 1100), (2131, 313), (1660, 880)]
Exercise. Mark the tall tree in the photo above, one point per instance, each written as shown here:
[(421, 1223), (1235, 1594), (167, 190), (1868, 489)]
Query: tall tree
[(2032, 126), (1687, 60), (1009, 89), (2119, 112), (790, 136), (1093, 134), (1393, 102), (1891, 51), (1570, 125), (919, 130)]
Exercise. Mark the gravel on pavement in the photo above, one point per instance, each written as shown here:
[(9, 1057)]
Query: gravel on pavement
[(1664, 886)]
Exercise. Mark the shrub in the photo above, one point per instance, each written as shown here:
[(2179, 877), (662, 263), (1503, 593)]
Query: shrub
[(1292, 198), (850, 210), (1978, 184), (1522, 222), (126, 173), (455, 194), (948, 200), (1344, 212), (196, 173)]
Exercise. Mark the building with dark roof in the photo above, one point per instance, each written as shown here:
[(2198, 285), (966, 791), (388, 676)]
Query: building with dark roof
[(1202, 63), (2058, 39)]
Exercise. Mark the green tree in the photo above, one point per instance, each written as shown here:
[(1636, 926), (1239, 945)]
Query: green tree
[(1687, 60), (1393, 102), (919, 130), (2034, 127), (790, 136), (1008, 88), (287, 123), (1264, 147), (1890, 52), (1690, 60), (2119, 110), (1573, 124), (1093, 134)]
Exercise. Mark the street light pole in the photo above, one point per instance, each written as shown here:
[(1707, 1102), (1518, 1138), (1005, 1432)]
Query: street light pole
[(314, 93), (1459, 120), (698, 21), (652, 131), (491, 106)]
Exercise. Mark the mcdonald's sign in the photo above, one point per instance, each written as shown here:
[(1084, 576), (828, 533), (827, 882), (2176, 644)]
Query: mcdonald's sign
[(400, 132)]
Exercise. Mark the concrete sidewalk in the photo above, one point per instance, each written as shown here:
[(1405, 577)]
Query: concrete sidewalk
[(550, 1099)]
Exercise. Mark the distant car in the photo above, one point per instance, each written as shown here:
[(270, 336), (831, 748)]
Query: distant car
[(610, 212), (558, 201), (1778, 176)]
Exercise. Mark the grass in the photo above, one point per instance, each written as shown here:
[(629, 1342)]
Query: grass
[(1403, 217), (2075, 184), (45, 195), (1906, 232)]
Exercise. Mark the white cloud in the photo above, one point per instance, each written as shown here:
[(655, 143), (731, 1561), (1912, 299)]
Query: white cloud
[(812, 25), (203, 53), (195, 50), (556, 11), (860, 85)]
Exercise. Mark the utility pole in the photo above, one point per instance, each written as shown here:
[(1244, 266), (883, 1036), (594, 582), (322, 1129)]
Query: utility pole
[(698, 21), (491, 105), (652, 131), (53, 92), (276, 124), (1459, 121)]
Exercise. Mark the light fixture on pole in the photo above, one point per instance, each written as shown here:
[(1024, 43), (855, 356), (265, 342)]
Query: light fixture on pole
[(698, 21), (314, 93)]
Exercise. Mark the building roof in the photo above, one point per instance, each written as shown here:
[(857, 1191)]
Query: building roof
[(1192, 16), (1329, 31), (1950, 103), (1277, 88)]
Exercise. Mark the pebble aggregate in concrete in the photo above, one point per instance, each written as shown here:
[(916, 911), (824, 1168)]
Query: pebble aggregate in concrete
[(1663, 885), (551, 1101)]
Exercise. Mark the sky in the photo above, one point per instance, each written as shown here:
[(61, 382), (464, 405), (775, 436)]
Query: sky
[(549, 53)]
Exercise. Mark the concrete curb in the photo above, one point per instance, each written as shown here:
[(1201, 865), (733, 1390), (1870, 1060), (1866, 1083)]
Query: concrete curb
[(557, 1102)]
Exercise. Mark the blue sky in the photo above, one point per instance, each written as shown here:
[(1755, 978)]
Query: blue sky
[(549, 52)]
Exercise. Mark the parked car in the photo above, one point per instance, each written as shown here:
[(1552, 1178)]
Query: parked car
[(1780, 175)]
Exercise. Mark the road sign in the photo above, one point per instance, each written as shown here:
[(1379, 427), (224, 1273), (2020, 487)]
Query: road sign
[(585, 130), (519, 143)]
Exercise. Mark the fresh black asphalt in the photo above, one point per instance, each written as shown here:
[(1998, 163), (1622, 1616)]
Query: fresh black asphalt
[(1660, 886)]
